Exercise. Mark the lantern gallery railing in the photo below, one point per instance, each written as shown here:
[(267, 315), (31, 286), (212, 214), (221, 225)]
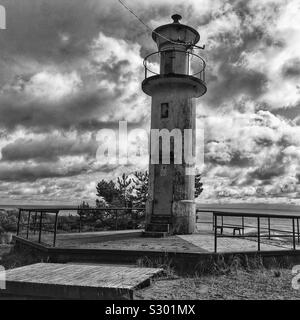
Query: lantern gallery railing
[(175, 62)]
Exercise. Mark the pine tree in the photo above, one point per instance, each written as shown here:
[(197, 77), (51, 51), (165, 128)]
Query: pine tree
[(141, 182), (198, 185), (125, 188), (107, 191)]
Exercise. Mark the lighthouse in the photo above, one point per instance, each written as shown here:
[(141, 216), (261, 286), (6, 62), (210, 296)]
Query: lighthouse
[(178, 80)]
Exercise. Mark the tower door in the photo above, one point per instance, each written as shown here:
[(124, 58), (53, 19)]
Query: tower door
[(163, 190)]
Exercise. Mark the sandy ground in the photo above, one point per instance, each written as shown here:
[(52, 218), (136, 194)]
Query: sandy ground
[(173, 243), (201, 242), (255, 285)]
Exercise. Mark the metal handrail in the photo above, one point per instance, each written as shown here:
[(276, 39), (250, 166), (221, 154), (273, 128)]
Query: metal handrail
[(39, 223), (294, 233), (200, 74)]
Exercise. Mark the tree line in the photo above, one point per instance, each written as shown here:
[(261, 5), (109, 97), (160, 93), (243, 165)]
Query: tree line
[(127, 191)]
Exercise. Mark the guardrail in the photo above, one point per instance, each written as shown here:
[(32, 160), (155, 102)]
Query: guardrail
[(34, 220), (219, 225), (195, 64)]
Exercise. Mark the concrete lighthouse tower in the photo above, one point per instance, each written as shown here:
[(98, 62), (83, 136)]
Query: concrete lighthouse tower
[(180, 79)]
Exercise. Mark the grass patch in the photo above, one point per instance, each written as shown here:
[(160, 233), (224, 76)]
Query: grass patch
[(162, 263), (215, 265)]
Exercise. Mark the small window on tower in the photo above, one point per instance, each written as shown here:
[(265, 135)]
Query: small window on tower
[(164, 110)]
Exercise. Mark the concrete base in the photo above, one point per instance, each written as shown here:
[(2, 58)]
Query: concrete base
[(182, 220), (183, 217), (184, 262)]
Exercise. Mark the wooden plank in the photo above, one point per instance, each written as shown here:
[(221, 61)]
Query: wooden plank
[(77, 280)]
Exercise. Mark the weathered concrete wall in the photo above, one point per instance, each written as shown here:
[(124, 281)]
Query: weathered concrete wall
[(169, 184), (184, 217)]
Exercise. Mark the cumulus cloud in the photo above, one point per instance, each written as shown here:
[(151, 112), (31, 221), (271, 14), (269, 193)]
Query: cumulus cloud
[(70, 68), (51, 86)]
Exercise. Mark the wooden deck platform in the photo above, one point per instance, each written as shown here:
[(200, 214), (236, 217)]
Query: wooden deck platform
[(76, 281)]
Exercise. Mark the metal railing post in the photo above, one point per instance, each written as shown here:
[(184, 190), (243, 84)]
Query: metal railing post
[(79, 219), (35, 222), (298, 231), (55, 229), (258, 234), (294, 236), (40, 228), (269, 228), (243, 226), (216, 234), (28, 224), (19, 219)]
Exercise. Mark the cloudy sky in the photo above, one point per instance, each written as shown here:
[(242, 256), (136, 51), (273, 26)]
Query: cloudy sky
[(72, 67)]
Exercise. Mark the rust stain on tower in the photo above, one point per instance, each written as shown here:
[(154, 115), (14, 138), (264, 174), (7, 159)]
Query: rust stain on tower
[(171, 207)]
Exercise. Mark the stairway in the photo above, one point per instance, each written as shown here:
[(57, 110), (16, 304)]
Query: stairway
[(159, 227)]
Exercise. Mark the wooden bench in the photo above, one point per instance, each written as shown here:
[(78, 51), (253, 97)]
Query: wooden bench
[(234, 229)]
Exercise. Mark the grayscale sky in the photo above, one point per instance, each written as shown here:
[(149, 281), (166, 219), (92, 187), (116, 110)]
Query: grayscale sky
[(70, 67)]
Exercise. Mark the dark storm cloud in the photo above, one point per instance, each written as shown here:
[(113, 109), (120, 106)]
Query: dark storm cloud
[(272, 168), (233, 80), (17, 109), (38, 26), (230, 157), (31, 171), (289, 113), (232, 77), (35, 27), (285, 141), (27, 172), (57, 35), (114, 71), (48, 149), (264, 141), (291, 68), (268, 172)]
